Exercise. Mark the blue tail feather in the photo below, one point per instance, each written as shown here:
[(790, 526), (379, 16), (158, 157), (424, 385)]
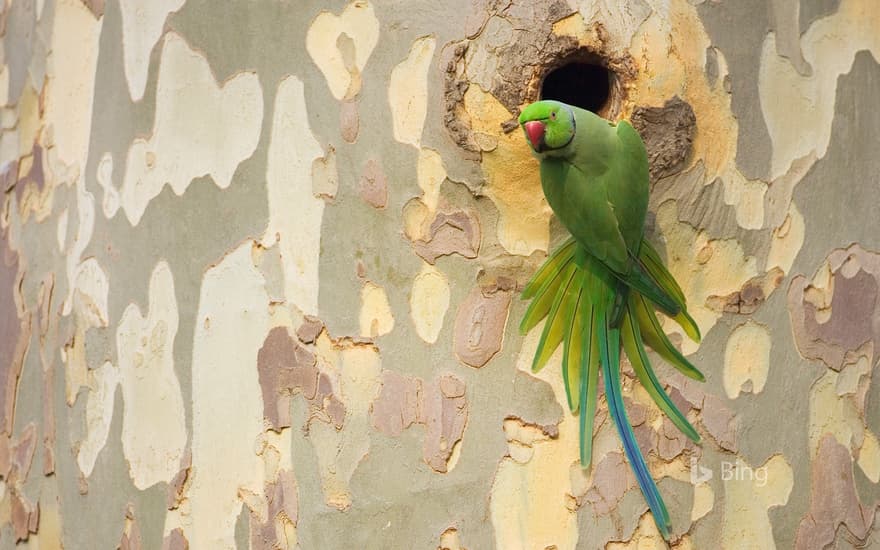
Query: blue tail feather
[(609, 341)]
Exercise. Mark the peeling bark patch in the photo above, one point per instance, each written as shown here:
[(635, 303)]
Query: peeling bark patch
[(668, 133), (14, 332), (834, 501), (408, 92), (325, 176), (15, 465), (131, 533), (286, 368), (451, 232), (349, 120), (746, 359), (282, 511), (612, 478), (32, 184), (429, 302), (835, 312), (341, 45), (441, 406), (179, 484), (95, 6), (175, 540), (479, 326), (373, 186), (309, 330), (720, 422)]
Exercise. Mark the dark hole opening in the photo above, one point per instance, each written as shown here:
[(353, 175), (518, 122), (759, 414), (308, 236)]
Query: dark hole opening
[(583, 85)]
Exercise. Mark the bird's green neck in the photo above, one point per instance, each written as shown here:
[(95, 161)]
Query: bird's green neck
[(593, 147)]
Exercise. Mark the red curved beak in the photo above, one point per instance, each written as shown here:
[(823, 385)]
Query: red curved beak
[(535, 131)]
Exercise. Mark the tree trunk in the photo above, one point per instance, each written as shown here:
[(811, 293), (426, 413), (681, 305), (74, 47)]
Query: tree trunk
[(261, 265)]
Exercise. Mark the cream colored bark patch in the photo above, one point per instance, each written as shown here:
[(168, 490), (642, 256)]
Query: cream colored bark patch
[(99, 415), (704, 501), (749, 493), (834, 414), (376, 318), (431, 175), (227, 405), (153, 425), (511, 171), (61, 235), (294, 212), (201, 128), (355, 372), (73, 62), (746, 358), (787, 241), (142, 24), (408, 92), (90, 290), (429, 302), (799, 110), (869, 457), (341, 45), (104, 177)]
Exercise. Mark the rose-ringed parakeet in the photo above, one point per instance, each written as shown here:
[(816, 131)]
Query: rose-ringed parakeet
[(599, 289)]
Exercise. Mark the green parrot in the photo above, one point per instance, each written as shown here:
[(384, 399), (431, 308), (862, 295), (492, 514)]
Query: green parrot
[(600, 288)]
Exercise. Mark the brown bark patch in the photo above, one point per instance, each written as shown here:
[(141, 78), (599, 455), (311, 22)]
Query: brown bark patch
[(479, 326), (840, 316), (833, 501), (285, 368), (451, 232), (441, 406), (373, 185)]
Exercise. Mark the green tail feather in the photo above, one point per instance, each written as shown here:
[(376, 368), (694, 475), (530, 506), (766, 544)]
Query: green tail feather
[(655, 268), (572, 349), (635, 350), (546, 293), (578, 297), (654, 336), (549, 268), (589, 392), (554, 328)]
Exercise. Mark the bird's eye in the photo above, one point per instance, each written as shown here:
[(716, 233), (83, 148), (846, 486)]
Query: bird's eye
[(553, 115)]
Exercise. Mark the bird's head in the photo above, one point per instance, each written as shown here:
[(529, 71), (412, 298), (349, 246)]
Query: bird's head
[(548, 125)]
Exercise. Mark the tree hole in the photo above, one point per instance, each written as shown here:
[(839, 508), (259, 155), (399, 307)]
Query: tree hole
[(579, 83)]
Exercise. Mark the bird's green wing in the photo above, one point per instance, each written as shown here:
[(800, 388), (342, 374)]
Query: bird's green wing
[(581, 204), (627, 185)]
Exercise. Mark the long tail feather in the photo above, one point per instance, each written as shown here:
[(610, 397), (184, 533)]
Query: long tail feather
[(545, 295), (632, 344), (554, 327), (572, 350), (654, 336), (549, 268), (592, 314), (611, 373), (589, 365), (654, 266)]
